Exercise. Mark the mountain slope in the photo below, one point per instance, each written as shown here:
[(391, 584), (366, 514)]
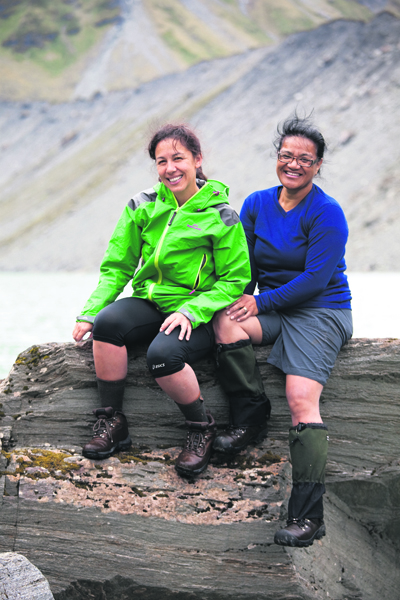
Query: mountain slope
[(63, 49), (67, 170)]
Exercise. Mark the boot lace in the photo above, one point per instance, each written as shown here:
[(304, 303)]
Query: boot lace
[(236, 431), (301, 523), (195, 441), (102, 428)]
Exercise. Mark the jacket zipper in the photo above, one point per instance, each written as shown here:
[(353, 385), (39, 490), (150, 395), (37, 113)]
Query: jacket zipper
[(197, 280), (157, 256)]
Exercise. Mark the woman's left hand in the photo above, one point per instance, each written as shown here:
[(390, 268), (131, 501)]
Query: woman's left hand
[(177, 319), (243, 308)]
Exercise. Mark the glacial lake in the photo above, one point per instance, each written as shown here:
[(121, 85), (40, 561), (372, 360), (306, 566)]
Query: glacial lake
[(36, 308)]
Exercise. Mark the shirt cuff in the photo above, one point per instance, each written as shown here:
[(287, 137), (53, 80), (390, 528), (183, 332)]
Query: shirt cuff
[(85, 318), (187, 314)]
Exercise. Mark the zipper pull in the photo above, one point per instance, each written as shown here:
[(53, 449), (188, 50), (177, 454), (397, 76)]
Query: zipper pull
[(172, 218)]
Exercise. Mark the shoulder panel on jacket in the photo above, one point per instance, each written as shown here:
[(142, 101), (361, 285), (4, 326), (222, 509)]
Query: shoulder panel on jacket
[(146, 196), (228, 215)]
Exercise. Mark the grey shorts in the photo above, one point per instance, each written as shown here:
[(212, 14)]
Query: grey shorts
[(306, 340)]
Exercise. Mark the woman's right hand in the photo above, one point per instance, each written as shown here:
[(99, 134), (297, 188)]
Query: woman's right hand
[(81, 329), (177, 319), (243, 308)]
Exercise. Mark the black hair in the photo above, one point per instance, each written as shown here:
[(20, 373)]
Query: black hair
[(296, 126), (181, 133)]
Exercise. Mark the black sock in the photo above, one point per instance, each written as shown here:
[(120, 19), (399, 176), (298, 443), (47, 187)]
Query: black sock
[(195, 411), (111, 393)]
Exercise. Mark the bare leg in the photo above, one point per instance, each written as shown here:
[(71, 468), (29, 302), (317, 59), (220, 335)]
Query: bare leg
[(111, 362), (303, 396), (182, 387), (111, 430), (228, 331)]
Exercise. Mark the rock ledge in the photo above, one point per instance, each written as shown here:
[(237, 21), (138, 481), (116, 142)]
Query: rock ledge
[(130, 527)]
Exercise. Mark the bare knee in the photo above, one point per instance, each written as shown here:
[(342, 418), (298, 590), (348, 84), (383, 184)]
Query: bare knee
[(227, 330), (220, 324), (298, 401), (303, 396)]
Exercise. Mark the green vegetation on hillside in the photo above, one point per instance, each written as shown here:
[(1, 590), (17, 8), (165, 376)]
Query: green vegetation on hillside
[(283, 17), (286, 18), (216, 28), (233, 14), (47, 45), (352, 9), (194, 39), (53, 33)]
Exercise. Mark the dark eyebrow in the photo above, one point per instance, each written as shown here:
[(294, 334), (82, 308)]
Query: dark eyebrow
[(173, 156)]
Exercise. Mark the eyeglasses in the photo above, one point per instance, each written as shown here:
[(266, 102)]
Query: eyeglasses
[(302, 162)]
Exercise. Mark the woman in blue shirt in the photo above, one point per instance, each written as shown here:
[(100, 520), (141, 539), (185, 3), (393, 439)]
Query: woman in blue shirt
[(296, 236)]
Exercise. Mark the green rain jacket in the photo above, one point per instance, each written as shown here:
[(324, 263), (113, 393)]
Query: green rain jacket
[(194, 258)]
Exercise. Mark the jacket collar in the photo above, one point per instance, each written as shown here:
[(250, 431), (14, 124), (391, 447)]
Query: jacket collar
[(211, 192)]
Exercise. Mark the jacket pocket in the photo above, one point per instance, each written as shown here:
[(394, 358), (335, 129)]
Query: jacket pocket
[(198, 276)]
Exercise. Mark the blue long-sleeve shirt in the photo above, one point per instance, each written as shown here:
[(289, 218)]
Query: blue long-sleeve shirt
[(297, 257)]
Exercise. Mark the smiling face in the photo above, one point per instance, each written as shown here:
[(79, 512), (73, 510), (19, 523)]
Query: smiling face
[(293, 176), (176, 168)]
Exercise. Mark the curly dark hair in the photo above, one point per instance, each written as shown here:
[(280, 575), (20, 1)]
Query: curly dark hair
[(181, 133), (296, 126)]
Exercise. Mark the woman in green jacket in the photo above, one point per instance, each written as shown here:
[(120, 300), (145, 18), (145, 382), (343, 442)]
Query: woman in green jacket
[(193, 261)]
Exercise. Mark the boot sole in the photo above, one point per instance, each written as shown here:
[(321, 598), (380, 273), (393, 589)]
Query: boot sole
[(260, 437), (188, 474), (294, 542), (124, 445)]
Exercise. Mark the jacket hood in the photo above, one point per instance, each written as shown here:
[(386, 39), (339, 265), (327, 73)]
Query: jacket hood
[(211, 193)]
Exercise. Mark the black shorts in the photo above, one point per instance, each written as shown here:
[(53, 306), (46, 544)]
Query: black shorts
[(131, 321)]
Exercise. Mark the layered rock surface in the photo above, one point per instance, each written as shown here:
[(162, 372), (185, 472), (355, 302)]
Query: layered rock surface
[(129, 527)]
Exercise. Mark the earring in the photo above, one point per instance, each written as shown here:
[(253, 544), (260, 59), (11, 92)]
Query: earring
[(159, 179)]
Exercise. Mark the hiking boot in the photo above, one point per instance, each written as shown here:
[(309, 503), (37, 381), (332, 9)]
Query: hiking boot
[(110, 434), (300, 532), (198, 447), (235, 439)]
